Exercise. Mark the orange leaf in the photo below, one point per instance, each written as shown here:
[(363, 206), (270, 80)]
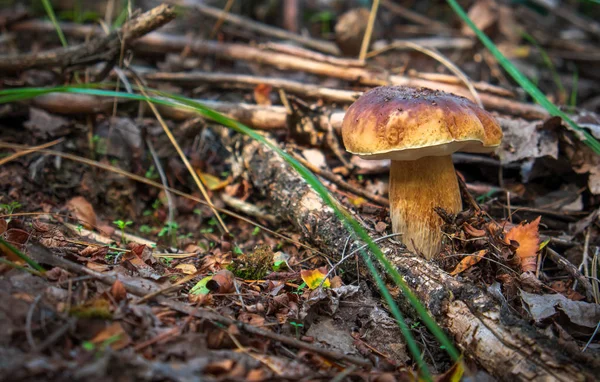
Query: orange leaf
[(528, 237), (262, 93), (313, 278), (468, 262)]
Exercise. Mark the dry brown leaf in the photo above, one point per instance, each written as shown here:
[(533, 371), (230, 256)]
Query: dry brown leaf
[(118, 291), (109, 334), (97, 267), (188, 269), (528, 237), (262, 94), (83, 210), (473, 232), (468, 262), (221, 282)]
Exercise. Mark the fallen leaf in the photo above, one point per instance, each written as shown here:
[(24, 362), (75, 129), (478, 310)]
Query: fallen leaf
[(200, 287), (97, 267), (94, 251), (113, 336), (528, 237), (313, 278), (544, 306), (118, 291), (454, 374), (358, 201), (83, 210), (212, 182), (280, 261), (473, 232), (221, 282), (188, 269), (468, 262), (262, 94)]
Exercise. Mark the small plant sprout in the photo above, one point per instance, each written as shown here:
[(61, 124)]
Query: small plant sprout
[(170, 228), (145, 229), (297, 326), (121, 225), (9, 208), (79, 228)]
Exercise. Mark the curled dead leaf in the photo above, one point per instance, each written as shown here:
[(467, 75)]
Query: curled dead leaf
[(83, 210), (528, 238), (468, 262), (221, 282)]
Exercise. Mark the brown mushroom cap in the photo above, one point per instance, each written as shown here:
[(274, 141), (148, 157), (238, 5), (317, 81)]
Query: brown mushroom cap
[(401, 123)]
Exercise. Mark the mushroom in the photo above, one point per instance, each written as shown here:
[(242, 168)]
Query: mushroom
[(419, 129)]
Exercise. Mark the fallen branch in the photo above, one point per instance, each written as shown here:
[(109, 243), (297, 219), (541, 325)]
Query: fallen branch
[(161, 43), (165, 43), (251, 25), (227, 80), (96, 50), (505, 345)]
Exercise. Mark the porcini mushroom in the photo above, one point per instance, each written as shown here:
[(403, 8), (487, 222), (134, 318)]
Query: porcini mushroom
[(418, 129)]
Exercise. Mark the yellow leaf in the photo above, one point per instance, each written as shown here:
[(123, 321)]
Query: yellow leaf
[(358, 201), (528, 237), (212, 182), (468, 262), (188, 269), (313, 278)]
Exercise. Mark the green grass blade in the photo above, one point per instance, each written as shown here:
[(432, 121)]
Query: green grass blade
[(59, 32), (524, 82), (351, 224)]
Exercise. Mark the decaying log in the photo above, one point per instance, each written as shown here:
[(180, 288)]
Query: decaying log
[(505, 345)]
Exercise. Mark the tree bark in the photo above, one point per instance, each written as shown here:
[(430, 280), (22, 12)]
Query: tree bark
[(505, 345)]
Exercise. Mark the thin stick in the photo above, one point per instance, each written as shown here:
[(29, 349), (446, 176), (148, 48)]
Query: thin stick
[(243, 22), (221, 18), (369, 31), (29, 151), (433, 53), (164, 181), (184, 159)]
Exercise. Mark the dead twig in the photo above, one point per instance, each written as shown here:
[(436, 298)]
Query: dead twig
[(414, 16), (247, 24), (96, 50), (572, 270), (227, 80)]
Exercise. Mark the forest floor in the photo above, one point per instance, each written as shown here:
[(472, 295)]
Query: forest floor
[(146, 242)]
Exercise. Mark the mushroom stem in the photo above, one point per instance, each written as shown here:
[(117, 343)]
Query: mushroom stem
[(416, 187)]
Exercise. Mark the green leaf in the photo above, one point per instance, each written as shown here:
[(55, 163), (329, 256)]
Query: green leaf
[(200, 287)]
